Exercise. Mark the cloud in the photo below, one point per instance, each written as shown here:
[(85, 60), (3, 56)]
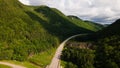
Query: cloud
[(101, 11)]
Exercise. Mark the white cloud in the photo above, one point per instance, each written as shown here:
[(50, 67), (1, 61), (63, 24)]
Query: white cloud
[(103, 11)]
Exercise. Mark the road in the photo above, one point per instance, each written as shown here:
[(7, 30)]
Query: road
[(12, 65), (55, 63)]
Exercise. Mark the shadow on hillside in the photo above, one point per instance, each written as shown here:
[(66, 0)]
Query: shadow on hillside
[(58, 25)]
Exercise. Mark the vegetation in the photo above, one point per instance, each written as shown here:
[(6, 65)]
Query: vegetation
[(104, 52), (68, 64), (83, 58), (43, 59), (56, 20), (31, 31), (108, 48), (89, 25)]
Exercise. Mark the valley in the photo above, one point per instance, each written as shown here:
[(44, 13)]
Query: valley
[(44, 37)]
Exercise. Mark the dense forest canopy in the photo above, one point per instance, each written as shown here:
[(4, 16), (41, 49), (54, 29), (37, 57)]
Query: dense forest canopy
[(105, 51)]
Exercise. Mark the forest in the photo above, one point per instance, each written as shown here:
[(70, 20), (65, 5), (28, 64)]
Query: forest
[(104, 52), (26, 32)]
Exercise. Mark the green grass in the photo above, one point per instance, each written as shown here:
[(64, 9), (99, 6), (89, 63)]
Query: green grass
[(4, 66), (43, 59)]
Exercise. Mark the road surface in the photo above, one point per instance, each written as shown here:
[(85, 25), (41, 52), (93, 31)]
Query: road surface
[(55, 63), (12, 65)]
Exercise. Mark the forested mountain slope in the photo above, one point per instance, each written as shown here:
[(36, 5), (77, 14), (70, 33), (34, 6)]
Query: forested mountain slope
[(112, 29), (108, 46), (28, 30), (102, 49)]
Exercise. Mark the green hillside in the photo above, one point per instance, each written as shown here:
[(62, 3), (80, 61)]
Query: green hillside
[(20, 35), (86, 24), (112, 29), (103, 49), (26, 31), (108, 46)]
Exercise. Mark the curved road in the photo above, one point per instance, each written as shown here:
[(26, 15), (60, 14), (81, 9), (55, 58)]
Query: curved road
[(55, 63), (12, 65)]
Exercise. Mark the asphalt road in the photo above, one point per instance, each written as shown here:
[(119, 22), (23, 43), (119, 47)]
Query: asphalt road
[(55, 63)]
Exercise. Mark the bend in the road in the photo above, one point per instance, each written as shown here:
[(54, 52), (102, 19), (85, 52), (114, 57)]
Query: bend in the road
[(55, 63)]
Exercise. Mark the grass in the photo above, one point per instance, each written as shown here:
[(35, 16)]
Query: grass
[(4, 66), (43, 59)]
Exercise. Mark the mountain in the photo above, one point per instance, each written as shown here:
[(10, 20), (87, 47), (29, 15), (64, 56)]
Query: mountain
[(108, 46), (98, 50), (58, 24), (29, 30), (111, 29), (89, 25), (108, 31)]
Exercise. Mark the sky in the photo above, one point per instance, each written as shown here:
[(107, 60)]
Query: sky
[(100, 11)]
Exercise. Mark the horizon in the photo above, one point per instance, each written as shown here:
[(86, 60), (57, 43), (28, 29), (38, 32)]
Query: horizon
[(100, 11)]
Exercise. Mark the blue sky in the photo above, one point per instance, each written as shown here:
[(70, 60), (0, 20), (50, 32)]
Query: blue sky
[(101, 11)]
